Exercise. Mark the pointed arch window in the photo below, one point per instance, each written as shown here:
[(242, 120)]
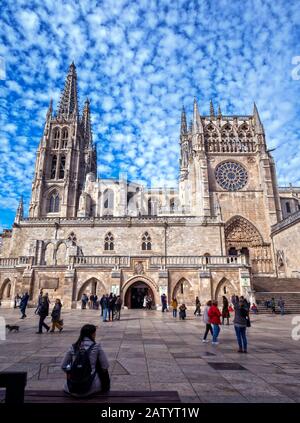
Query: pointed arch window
[(53, 167), (72, 238), (62, 167), (53, 206), (56, 136), (64, 138), (146, 241), (109, 241)]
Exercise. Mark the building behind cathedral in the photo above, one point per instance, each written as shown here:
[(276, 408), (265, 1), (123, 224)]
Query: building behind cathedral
[(226, 228)]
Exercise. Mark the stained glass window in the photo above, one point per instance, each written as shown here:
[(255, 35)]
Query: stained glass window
[(231, 176)]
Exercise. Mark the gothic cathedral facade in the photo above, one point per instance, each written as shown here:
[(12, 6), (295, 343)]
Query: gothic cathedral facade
[(210, 236)]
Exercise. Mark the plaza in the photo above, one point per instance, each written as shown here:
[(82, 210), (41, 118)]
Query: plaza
[(152, 351)]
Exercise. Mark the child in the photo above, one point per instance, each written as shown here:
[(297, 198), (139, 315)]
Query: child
[(182, 312), (254, 308)]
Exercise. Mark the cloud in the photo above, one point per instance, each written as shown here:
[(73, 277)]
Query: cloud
[(138, 62)]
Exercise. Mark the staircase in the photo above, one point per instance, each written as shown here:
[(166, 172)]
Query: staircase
[(286, 288)]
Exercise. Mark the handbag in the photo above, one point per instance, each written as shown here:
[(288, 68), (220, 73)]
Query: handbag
[(248, 322)]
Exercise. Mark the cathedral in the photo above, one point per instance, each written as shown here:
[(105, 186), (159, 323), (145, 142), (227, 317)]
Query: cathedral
[(225, 228)]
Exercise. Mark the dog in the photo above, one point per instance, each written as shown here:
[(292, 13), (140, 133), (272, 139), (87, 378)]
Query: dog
[(14, 328)]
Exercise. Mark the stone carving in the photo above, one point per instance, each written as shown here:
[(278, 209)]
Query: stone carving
[(240, 231), (139, 268), (280, 259)]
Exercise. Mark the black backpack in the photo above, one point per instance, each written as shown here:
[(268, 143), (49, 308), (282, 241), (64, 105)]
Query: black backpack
[(80, 376)]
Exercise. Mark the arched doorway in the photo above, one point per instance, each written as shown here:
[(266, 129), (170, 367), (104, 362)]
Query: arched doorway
[(5, 292), (184, 292), (134, 296), (92, 286), (225, 288)]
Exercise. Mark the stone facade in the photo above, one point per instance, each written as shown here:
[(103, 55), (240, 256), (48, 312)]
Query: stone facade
[(206, 237)]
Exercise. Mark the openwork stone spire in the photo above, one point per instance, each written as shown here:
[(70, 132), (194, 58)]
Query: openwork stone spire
[(219, 112), (259, 129), (68, 105), (86, 122), (20, 211), (197, 124), (183, 128), (211, 109)]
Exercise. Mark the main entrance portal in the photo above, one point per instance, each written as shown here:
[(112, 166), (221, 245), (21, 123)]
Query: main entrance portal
[(136, 293)]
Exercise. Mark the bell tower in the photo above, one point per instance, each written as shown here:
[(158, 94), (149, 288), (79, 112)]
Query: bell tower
[(66, 154)]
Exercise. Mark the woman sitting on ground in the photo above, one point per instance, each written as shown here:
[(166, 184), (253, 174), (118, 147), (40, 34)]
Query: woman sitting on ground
[(86, 365)]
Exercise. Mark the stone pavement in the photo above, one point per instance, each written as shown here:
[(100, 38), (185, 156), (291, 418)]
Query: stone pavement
[(149, 350)]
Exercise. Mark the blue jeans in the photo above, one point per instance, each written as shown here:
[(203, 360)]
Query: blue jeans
[(282, 310), (105, 314), (216, 331), (174, 312), (241, 337)]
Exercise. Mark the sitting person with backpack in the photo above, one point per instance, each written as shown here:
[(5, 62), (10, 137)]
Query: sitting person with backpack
[(86, 365)]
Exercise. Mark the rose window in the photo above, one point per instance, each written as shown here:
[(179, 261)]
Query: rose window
[(231, 176)]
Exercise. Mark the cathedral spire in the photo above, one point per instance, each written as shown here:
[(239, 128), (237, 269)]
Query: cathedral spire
[(219, 112), (197, 124), (259, 129), (50, 110), (68, 102), (211, 109), (183, 128), (20, 211), (86, 122)]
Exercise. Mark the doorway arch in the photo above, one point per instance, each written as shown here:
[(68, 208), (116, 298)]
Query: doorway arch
[(184, 292), (224, 288), (92, 286), (135, 289), (6, 290)]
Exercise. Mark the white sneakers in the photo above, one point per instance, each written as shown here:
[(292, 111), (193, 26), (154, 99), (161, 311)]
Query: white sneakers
[(205, 340), (215, 343)]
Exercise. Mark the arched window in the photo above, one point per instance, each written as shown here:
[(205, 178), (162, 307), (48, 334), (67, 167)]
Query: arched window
[(207, 258), (108, 201), (56, 135), (53, 167), (109, 241), (53, 202), (62, 167), (172, 205), (64, 138), (146, 241), (72, 238), (288, 207)]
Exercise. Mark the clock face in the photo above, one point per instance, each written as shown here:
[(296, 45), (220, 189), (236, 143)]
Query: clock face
[(231, 176)]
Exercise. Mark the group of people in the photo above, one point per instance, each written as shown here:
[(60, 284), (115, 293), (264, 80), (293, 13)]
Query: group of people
[(272, 305), (212, 319), (42, 311), (147, 302), (91, 301)]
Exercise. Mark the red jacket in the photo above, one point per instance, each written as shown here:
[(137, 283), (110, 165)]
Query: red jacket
[(214, 315)]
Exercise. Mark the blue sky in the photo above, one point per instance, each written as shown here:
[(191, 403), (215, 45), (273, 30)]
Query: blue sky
[(138, 62)]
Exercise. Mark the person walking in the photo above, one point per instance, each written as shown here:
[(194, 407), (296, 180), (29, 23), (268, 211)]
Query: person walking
[(214, 315), (39, 302), (273, 306), (86, 366), (281, 304), (225, 310), (197, 311), (149, 302), (241, 321), (164, 302), (206, 321), (105, 306), (118, 306), (91, 301), (17, 301), (101, 304), (182, 312), (84, 301), (145, 302), (23, 304), (95, 302), (174, 305), (111, 306), (56, 318), (43, 313)]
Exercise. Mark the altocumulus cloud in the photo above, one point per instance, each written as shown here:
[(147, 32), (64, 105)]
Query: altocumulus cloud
[(138, 62)]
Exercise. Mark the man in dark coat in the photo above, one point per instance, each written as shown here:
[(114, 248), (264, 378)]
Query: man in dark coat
[(43, 313), (23, 304), (101, 303)]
